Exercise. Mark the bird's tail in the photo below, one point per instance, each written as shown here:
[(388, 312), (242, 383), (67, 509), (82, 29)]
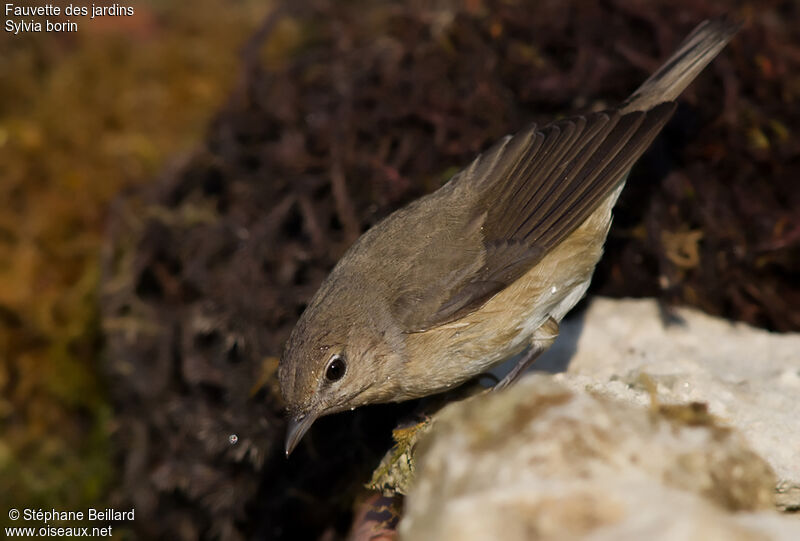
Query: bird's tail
[(697, 50)]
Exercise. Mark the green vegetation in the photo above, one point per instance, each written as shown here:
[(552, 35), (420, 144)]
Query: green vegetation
[(82, 116)]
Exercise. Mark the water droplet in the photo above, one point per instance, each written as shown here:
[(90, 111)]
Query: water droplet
[(553, 289)]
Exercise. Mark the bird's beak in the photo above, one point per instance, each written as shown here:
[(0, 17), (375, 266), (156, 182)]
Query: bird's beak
[(297, 427)]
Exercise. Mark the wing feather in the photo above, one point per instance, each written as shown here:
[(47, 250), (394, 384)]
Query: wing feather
[(530, 192)]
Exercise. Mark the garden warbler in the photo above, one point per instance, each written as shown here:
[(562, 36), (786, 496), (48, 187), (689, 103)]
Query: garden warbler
[(483, 268)]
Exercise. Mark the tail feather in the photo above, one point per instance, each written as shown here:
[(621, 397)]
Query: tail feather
[(697, 50)]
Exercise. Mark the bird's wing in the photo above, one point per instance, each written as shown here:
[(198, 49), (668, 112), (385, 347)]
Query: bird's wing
[(530, 192)]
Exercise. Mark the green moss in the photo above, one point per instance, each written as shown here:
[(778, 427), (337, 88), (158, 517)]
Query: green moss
[(83, 116)]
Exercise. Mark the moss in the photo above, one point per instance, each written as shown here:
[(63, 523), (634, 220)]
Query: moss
[(83, 116), (396, 470)]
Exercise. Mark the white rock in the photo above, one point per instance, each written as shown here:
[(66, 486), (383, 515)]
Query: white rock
[(539, 461), (750, 378)]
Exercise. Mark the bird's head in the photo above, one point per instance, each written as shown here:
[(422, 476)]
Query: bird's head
[(339, 356)]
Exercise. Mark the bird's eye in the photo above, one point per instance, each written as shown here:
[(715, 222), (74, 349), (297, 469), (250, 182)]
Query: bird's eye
[(336, 368)]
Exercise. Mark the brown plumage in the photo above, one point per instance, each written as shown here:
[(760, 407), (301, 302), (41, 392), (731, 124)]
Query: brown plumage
[(483, 268)]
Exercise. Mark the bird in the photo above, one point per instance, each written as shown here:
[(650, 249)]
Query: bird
[(484, 268)]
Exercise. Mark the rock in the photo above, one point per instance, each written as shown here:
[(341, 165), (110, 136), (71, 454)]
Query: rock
[(543, 461), (748, 377)]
